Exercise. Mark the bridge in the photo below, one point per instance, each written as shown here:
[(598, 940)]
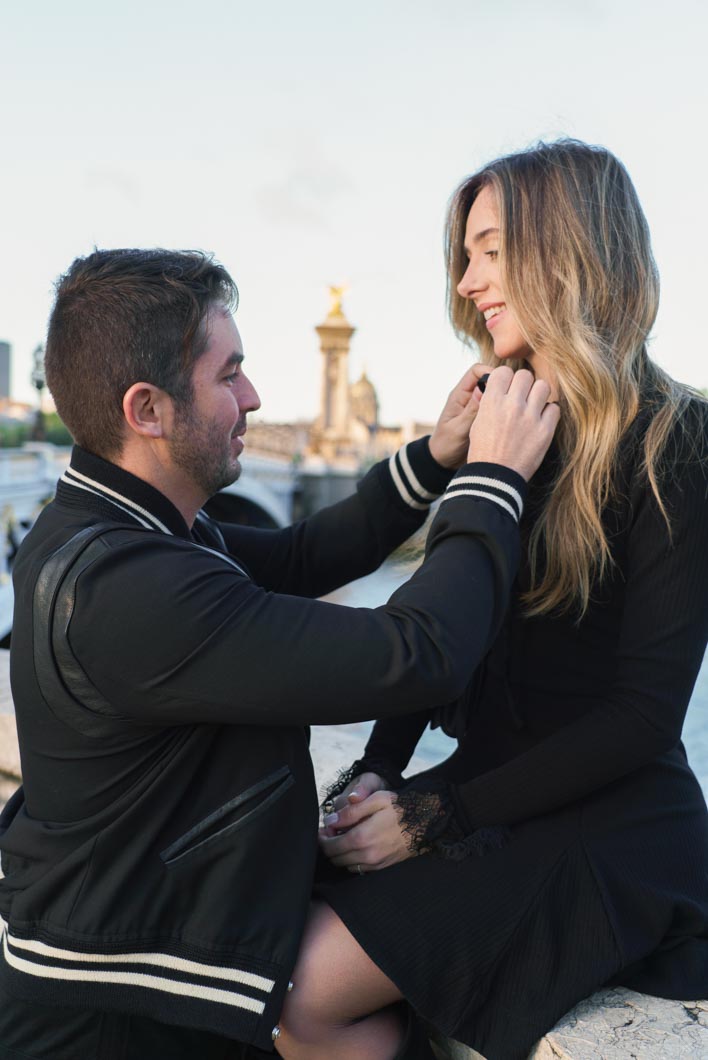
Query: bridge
[(264, 495)]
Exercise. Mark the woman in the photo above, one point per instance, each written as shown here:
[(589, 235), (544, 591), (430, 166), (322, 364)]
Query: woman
[(564, 845)]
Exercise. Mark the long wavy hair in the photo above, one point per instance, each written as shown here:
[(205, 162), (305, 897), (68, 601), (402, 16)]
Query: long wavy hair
[(578, 273)]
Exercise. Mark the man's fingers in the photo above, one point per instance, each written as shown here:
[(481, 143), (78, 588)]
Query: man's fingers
[(466, 415), (521, 384), (472, 376), (551, 415), (538, 395), (512, 427), (500, 379)]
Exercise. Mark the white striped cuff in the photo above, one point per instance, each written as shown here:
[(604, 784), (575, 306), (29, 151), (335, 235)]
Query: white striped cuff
[(487, 488), (407, 482)]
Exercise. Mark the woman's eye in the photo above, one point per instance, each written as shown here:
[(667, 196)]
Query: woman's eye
[(493, 254)]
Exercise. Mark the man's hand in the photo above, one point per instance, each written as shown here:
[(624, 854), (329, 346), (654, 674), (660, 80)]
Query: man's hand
[(450, 439), (515, 423), (365, 836)]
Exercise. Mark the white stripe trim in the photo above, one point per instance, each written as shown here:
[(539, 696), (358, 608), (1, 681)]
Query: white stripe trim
[(401, 486), (204, 548), (484, 480), (138, 979), (78, 485), (487, 497), (119, 496), (412, 477), (161, 960)]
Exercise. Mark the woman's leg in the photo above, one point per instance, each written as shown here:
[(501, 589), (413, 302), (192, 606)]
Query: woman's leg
[(342, 1005)]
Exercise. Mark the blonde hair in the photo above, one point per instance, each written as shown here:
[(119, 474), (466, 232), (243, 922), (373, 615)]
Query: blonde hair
[(578, 272)]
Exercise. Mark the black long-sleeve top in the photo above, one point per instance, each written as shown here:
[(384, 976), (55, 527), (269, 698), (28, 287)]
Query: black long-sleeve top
[(560, 708)]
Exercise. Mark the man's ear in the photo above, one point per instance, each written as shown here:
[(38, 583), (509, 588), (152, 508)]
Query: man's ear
[(147, 409)]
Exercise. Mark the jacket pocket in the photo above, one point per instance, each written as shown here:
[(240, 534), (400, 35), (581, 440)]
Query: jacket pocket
[(233, 815)]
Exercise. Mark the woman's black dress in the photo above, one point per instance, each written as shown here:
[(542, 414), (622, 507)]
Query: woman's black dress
[(572, 748)]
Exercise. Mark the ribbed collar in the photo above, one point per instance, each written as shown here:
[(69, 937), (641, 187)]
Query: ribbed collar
[(117, 494)]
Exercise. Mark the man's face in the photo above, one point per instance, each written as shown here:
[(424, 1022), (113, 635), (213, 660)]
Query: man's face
[(206, 439)]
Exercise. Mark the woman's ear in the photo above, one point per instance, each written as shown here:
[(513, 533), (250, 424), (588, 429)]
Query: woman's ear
[(147, 410)]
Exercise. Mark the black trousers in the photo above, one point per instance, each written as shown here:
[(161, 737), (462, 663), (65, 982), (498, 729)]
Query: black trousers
[(42, 1032)]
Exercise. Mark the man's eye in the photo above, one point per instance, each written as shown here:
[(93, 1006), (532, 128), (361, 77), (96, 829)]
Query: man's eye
[(231, 377)]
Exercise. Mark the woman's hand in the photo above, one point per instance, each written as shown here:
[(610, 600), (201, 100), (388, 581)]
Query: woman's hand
[(356, 791), (450, 439), (365, 836)]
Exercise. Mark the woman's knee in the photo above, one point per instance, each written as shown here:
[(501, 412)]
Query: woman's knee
[(314, 999), (335, 983)]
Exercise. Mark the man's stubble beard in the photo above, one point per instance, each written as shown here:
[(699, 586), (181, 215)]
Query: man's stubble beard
[(194, 449)]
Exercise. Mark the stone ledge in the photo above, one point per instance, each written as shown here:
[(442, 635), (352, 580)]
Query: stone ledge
[(616, 1025)]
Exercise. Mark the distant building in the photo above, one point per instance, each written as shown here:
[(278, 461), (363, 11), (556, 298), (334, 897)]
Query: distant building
[(346, 435), (5, 352), (15, 411)]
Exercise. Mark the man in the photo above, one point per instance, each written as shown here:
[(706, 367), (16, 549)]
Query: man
[(158, 863)]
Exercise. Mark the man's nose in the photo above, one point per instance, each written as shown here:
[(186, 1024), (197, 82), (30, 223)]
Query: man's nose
[(248, 397)]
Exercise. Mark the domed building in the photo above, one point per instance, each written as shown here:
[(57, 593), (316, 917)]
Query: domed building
[(346, 436), (364, 402)]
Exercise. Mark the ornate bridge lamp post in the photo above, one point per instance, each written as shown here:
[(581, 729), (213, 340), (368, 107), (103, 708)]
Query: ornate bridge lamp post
[(39, 381)]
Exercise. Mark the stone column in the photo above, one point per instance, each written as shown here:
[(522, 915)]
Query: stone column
[(333, 426)]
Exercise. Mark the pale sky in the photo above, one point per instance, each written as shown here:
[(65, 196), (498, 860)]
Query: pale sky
[(317, 143)]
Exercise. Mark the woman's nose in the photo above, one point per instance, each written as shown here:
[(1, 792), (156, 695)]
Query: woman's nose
[(470, 283)]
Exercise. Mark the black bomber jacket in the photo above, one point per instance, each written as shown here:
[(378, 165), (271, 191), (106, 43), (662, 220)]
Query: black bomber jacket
[(159, 857)]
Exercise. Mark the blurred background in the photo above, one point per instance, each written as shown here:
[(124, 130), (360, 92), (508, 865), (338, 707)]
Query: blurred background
[(312, 145), (317, 143)]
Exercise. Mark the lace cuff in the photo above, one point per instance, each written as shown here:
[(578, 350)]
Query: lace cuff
[(390, 775), (428, 821)]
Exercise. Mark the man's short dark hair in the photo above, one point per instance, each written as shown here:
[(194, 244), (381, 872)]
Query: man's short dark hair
[(122, 317)]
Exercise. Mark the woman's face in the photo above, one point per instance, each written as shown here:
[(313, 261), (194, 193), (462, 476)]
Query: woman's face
[(481, 282)]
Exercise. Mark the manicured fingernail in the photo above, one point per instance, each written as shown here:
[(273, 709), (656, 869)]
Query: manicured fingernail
[(331, 818), (353, 795)]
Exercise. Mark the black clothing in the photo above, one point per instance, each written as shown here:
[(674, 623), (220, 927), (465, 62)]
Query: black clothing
[(159, 859), (570, 745), (29, 1031)]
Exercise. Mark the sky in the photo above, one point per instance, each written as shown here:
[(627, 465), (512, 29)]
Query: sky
[(318, 143)]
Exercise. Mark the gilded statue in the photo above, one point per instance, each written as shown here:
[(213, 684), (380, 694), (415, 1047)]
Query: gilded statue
[(335, 296)]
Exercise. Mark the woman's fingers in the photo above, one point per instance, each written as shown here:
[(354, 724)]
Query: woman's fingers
[(354, 812), (345, 848), (371, 835), (359, 789)]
